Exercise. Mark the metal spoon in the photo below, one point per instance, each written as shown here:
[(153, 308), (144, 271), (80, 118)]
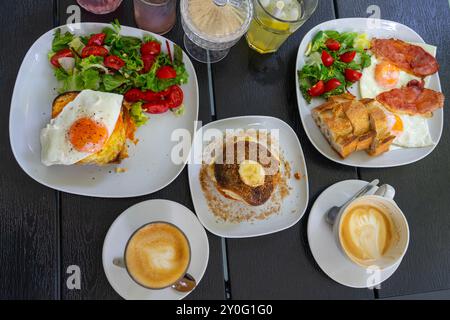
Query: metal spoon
[(334, 211), (186, 284)]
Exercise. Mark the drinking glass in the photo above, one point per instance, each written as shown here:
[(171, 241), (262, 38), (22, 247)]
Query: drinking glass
[(212, 27), (157, 16), (100, 6), (275, 20)]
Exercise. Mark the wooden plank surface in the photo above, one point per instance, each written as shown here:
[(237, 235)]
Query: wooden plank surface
[(278, 266), (85, 221), (422, 188), (29, 253)]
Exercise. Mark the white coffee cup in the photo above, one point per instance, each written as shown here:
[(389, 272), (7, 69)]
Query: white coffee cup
[(383, 199)]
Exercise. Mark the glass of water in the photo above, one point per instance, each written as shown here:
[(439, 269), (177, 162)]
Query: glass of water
[(157, 16)]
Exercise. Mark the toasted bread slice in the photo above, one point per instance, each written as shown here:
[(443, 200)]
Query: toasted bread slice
[(358, 115), (365, 140), (380, 146)]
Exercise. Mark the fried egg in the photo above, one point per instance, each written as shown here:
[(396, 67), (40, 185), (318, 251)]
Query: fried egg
[(410, 131), (81, 129), (383, 76)]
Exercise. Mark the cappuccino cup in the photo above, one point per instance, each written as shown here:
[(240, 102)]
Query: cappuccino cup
[(157, 256), (372, 231)]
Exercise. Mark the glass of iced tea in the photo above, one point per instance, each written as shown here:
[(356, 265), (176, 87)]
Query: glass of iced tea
[(275, 20), (100, 6), (157, 16)]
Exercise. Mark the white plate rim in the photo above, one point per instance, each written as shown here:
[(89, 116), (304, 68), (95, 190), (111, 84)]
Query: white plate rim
[(305, 176), (300, 99), (194, 217), (193, 77)]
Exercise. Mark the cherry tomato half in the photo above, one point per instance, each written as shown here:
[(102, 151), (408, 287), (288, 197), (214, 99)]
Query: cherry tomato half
[(97, 39), (333, 45), (155, 96), (348, 56), (166, 72), (332, 84), (134, 95), (114, 62), (175, 98), (64, 53), (327, 59), (317, 90), (352, 75), (148, 60), (97, 51), (151, 48), (156, 107)]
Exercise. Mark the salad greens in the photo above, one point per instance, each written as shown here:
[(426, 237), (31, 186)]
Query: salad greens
[(315, 70), (78, 72)]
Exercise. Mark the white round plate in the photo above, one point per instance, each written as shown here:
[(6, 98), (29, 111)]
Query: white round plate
[(134, 218), (323, 244), (393, 158), (294, 205), (149, 167)]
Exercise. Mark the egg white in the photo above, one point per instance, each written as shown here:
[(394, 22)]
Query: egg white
[(98, 106), (416, 133)]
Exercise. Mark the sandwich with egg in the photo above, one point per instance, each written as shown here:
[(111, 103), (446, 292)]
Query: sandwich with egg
[(87, 127)]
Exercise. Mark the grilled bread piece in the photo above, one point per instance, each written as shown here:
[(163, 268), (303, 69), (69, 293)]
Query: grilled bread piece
[(344, 122), (115, 148), (378, 123)]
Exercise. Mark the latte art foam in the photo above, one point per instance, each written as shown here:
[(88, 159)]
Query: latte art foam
[(157, 255), (366, 233)]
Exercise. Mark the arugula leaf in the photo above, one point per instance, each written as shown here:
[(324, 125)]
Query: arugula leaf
[(149, 37), (61, 41), (92, 62), (180, 111), (177, 55)]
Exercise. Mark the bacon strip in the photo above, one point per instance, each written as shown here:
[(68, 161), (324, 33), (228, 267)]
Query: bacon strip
[(412, 59), (412, 99)]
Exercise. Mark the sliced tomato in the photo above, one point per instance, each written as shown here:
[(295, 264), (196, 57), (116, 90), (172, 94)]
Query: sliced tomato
[(155, 96), (333, 45), (176, 97), (114, 62), (352, 75), (332, 84), (317, 90), (134, 95), (149, 61), (64, 53), (151, 48), (166, 72), (327, 59), (348, 56), (97, 39), (97, 51), (156, 107)]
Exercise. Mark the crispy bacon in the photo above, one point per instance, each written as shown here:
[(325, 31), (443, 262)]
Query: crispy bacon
[(413, 99), (410, 58)]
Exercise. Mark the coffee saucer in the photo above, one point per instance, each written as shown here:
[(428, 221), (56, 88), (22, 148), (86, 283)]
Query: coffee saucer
[(135, 217), (323, 244)]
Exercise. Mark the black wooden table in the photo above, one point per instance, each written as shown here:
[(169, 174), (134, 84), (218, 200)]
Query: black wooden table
[(43, 232)]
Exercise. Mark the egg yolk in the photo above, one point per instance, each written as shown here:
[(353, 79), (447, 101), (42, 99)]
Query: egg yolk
[(397, 128), (87, 135), (386, 74)]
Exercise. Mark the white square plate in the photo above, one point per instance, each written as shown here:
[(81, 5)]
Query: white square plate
[(149, 167), (293, 206), (374, 28)]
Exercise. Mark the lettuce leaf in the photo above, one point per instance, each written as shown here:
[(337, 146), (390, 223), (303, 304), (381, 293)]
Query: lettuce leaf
[(137, 113), (61, 41)]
